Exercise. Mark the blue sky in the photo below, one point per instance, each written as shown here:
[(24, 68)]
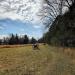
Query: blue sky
[(24, 17), (21, 17), (8, 26)]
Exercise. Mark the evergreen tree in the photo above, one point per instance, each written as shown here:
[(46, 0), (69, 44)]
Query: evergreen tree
[(0, 41), (12, 39), (26, 39), (16, 39), (33, 40)]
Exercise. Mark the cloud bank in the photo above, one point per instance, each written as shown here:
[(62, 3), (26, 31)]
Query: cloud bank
[(20, 9)]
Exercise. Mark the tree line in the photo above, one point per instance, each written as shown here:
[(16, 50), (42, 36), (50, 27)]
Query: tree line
[(15, 39), (62, 29)]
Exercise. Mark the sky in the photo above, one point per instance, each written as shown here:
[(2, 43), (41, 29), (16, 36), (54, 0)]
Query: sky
[(21, 17), (25, 17)]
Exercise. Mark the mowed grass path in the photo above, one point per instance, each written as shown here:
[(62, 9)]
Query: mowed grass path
[(46, 61)]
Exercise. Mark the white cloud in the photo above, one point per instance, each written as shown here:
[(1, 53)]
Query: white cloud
[(2, 36), (37, 26), (20, 9), (11, 16)]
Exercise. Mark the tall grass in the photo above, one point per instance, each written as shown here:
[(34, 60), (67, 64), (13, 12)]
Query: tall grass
[(23, 60)]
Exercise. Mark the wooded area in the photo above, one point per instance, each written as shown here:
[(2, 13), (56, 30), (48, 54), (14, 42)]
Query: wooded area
[(62, 30), (15, 39)]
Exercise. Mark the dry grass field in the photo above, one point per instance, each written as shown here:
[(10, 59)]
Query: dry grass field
[(23, 60)]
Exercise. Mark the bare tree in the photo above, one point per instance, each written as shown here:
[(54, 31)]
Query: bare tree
[(61, 4), (53, 8)]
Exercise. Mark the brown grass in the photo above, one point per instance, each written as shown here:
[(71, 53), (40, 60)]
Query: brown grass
[(23, 60), (13, 46)]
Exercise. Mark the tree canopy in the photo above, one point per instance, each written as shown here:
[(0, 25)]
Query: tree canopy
[(62, 30)]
